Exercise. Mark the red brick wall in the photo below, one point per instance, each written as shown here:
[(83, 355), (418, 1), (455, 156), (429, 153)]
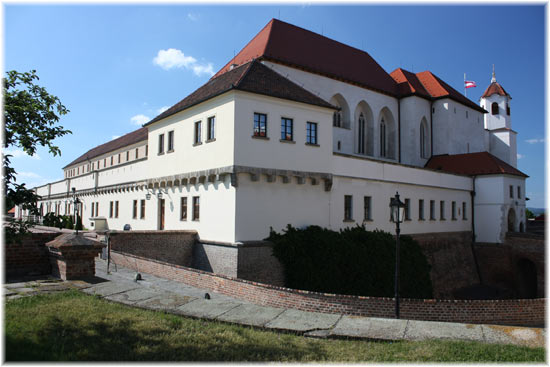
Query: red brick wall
[(507, 312), (30, 257)]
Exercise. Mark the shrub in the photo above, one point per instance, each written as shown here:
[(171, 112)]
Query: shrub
[(52, 220), (68, 221), (352, 261)]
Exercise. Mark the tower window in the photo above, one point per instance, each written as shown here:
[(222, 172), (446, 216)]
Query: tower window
[(494, 108), (507, 109)]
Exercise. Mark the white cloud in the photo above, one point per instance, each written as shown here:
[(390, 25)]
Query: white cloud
[(193, 17), (173, 58), (28, 175), (162, 109), (534, 141), (140, 119), (18, 153), (115, 137), (520, 156)]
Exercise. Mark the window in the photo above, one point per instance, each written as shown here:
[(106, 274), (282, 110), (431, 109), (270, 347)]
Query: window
[(423, 141), (171, 141), (466, 114), (432, 209), (337, 119), (146, 150), (77, 170), (441, 210), (116, 209), (260, 125), (367, 207), (453, 210), (161, 144), (519, 192), (127, 155), (183, 214), (112, 160), (361, 134), (196, 207), (507, 109), (197, 132), (134, 209), (511, 191), (494, 108), (348, 208), (382, 138), (211, 128), (142, 209), (407, 209), (92, 210), (137, 153), (311, 133), (420, 209), (286, 129), (339, 145), (97, 208), (464, 210), (110, 209), (118, 158)]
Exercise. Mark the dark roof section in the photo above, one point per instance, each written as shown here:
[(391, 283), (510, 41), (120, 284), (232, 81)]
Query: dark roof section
[(128, 139), (472, 164), (494, 88), (409, 84), (251, 77), (297, 47), (439, 89)]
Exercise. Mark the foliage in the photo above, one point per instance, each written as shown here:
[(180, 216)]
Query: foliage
[(73, 326), (30, 118), (68, 221), (529, 214), (16, 230), (52, 220), (352, 261)]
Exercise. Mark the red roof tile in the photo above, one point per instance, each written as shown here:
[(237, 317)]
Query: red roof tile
[(437, 88), (472, 164), (128, 139), (251, 77), (494, 88), (293, 46), (408, 83)]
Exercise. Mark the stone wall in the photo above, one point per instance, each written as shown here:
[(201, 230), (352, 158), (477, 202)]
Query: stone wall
[(216, 258), (30, 257), (452, 261), (174, 247), (529, 312)]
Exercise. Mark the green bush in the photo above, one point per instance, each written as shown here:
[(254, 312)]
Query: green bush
[(353, 261), (52, 220), (68, 222)]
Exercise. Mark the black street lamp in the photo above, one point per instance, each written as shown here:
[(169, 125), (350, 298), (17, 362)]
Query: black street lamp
[(76, 201), (397, 209)]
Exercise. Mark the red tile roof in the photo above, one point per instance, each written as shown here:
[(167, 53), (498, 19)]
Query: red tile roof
[(408, 83), (128, 139), (251, 77), (297, 47), (494, 88), (439, 89), (472, 164)]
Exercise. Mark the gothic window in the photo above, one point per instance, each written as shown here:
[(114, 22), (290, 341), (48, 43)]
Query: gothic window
[(494, 108), (337, 119), (361, 134), (423, 140), (382, 138)]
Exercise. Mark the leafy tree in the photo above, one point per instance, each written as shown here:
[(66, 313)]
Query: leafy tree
[(31, 115), (529, 214)]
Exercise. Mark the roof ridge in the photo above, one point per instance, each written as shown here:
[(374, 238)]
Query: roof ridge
[(241, 78)]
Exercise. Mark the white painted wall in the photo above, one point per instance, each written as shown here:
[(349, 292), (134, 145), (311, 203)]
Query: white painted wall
[(413, 110)]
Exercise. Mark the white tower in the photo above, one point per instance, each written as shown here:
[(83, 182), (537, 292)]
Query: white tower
[(501, 139)]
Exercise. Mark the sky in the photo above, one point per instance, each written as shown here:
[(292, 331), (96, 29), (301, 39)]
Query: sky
[(117, 66)]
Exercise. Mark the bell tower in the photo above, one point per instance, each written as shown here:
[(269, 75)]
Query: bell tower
[(500, 138)]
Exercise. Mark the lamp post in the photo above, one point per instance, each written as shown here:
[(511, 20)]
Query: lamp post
[(397, 209), (76, 201)]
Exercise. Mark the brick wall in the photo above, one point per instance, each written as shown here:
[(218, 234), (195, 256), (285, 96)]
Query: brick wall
[(30, 257), (506, 312), (257, 263), (451, 258), (174, 247), (216, 258)]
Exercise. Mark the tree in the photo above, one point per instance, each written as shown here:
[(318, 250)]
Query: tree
[(529, 214), (31, 115)]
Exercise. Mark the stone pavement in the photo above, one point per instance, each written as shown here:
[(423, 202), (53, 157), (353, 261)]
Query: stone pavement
[(169, 296)]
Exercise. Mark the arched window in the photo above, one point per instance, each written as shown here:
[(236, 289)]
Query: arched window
[(361, 134), (423, 141), (494, 108), (382, 138)]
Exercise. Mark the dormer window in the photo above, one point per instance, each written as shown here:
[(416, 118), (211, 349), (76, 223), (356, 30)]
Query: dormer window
[(494, 108)]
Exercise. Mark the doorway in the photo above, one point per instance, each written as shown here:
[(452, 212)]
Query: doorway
[(161, 214), (527, 278), (511, 220)]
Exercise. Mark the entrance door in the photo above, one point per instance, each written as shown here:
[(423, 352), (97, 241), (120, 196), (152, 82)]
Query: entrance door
[(511, 220), (161, 214)]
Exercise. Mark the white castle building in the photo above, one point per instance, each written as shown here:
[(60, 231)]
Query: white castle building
[(298, 128)]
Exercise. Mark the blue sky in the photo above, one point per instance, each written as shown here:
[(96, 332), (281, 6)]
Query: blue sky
[(103, 62)]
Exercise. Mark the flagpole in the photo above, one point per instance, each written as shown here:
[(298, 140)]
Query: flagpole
[(465, 85)]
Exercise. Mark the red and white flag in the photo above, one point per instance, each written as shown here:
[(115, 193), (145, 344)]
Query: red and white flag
[(469, 84)]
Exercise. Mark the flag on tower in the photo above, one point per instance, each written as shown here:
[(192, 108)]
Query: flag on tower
[(469, 84)]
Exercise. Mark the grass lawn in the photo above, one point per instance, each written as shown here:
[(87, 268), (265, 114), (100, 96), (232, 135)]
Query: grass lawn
[(73, 326)]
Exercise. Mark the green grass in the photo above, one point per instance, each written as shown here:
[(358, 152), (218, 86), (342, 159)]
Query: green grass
[(73, 326)]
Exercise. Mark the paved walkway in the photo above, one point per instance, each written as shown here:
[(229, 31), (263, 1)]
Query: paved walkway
[(165, 295)]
